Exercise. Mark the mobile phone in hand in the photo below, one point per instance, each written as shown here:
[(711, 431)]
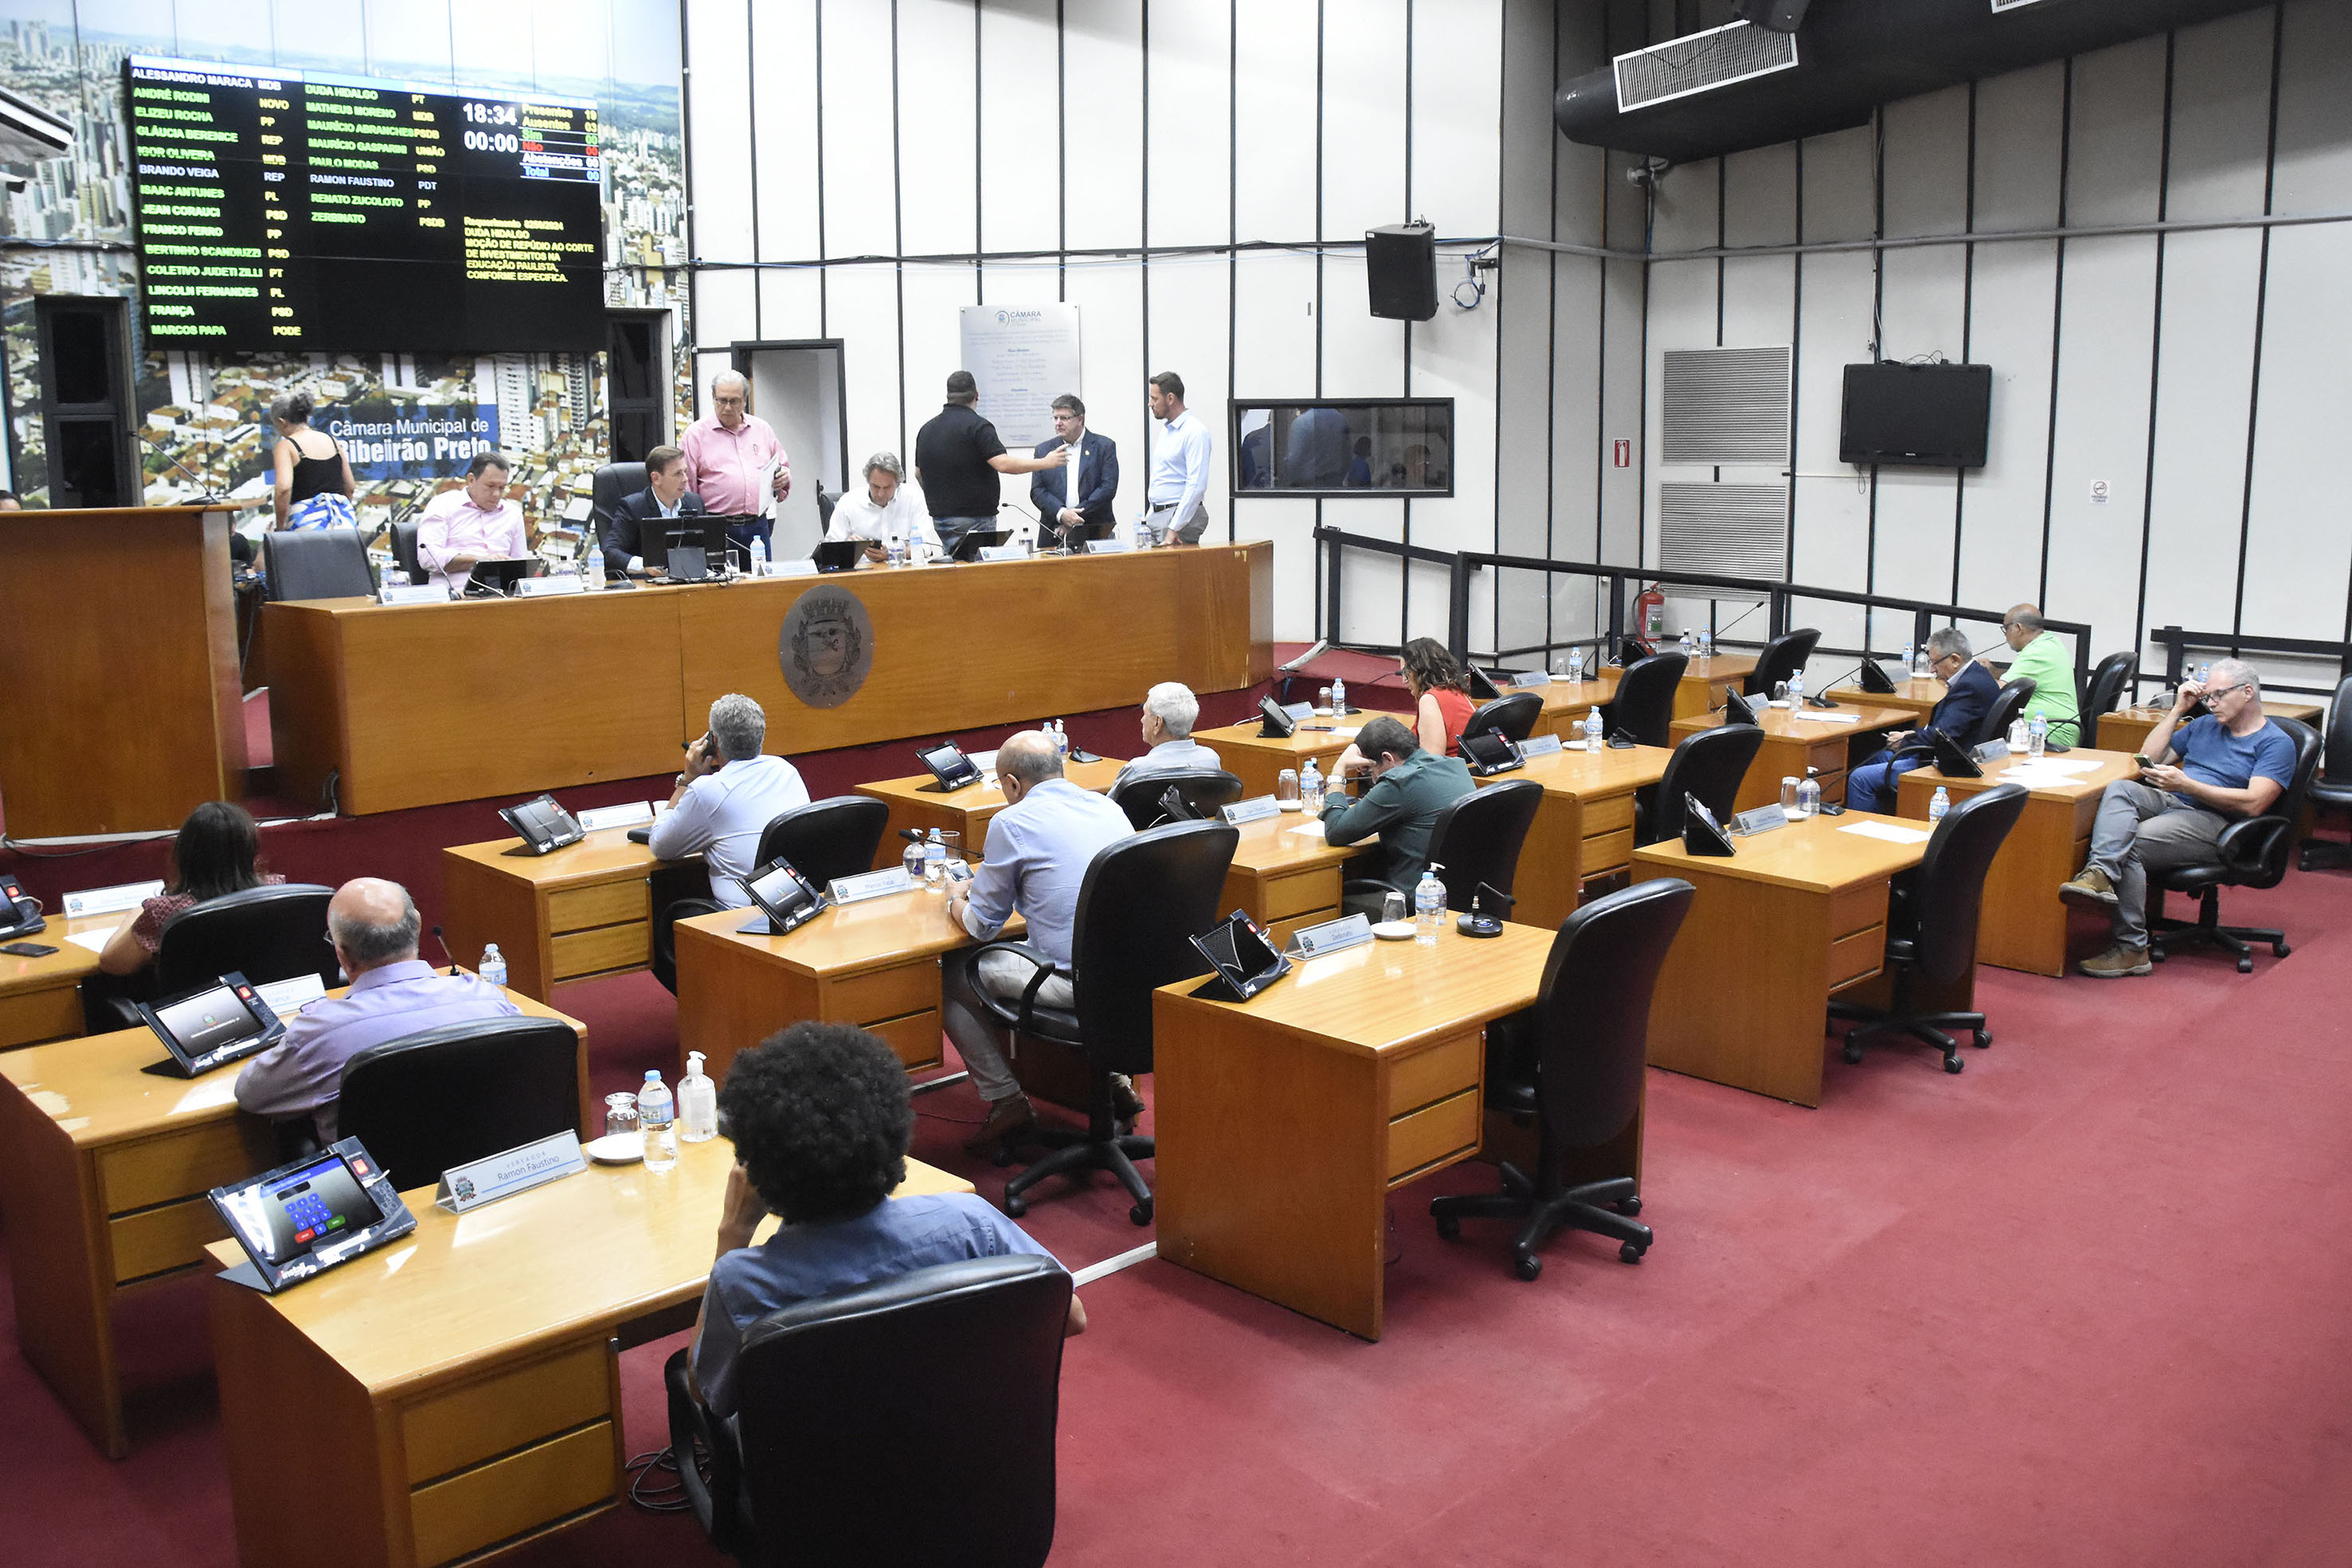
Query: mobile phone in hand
[(2141, 758)]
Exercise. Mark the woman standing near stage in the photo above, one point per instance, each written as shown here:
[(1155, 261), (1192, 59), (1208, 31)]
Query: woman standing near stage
[(314, 486)]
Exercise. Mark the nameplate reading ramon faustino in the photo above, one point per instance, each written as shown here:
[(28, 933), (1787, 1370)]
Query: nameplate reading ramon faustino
[(826, 647)]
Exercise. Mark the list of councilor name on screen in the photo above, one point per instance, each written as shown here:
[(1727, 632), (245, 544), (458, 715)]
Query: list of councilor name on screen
[(300, 208)]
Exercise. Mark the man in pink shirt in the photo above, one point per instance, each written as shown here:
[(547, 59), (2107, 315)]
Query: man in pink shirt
[(476, 523), (728, 454)]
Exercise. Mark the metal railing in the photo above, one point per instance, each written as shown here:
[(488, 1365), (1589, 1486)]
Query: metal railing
[(2176, 643), (1625, 582)]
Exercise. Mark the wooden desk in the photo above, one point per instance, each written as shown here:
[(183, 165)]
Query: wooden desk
[(1797, 913), (1584, 829), (2126, 729), (418, 704), (1286, 879), (125, 710), (1283, 1122), (461, 1388), (1915, 695), (1565, 703), (103, 1172), (582, 912), (1257, 761), (1704, 681), (40, 999), (917, 803), (1791, 745), (2022, 924)]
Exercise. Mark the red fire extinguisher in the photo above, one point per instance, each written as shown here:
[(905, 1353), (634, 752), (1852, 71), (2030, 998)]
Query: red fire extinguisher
[(1651, 613)]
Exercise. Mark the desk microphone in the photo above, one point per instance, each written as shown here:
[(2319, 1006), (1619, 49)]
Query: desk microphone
[(1477, 923), (209, 496), (446, 953)]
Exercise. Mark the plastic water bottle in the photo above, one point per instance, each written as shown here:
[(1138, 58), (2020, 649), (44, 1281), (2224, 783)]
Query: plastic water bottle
[(2037, 735), (1796, 690), (1310, 790), (758, 555), (1808, 795), (913, 861), (935, 862), (2204, 675), (698, 1102), (1339, 695), (1575, 667), (591, 568), (1592, 741), (657, 1121), (1938, 806), (1689, 645), (493, 967), (1061, 741), (1707, 643), (2017, 736), (1920, 667), (1428, 906)]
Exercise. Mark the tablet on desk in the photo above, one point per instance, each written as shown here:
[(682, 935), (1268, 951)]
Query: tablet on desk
[(968, 548), (950, 765), (320, 1210), (839, 554), (786, 897), (225, 1021), (496, 579)]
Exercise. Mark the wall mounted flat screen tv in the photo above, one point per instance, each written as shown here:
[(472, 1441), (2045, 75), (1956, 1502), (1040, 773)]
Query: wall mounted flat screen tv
[(1927, 416), (308, 210)]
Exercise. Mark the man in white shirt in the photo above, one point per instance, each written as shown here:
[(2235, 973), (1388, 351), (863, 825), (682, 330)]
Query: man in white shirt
[(1169, 712), (724, 800), (474, 524), (1180, 467), (886, 516)]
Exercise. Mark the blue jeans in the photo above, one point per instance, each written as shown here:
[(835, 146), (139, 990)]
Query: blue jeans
[(1871, 787), (951, 529), (744, 533)]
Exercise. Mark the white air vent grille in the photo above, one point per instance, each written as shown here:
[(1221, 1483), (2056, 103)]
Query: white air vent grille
[(1732, 530), (2001, 6), (1701, 61), (1726, 406)]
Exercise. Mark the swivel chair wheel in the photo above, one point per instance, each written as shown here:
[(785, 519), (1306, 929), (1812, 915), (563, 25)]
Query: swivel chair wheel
[(1015, 1206), (1984, 1038), (1140, 1213), (1000, 1156), (2246, 964), (2280, 949), (1631, 1253), (1526, 1265), (1448, 1227), (1953, 1065), (1630, 1204), (1854, 1055)]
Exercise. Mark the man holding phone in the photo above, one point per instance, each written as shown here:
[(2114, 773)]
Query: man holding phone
[(2230, 763), (725, 799)]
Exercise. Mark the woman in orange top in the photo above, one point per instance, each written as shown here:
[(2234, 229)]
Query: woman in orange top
[(1440, 707)]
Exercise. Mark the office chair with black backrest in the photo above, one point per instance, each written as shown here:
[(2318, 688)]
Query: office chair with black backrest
[(2001, 712), (613, 484), (1710, 765), (404, 551), (903, 1367), (2252, 853), (2332, 790), (1643, 706), (1204, 791), (1512, 715), (1575, 1061), (826, 839), (316, 563), (2106, 692), (1143, 900), (1478, 838), (1931, 926), (1780, 659), (448, 1096)]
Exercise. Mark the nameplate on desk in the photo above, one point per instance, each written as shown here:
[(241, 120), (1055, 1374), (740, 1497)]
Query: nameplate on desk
[(469, 1186), (1109, 547), (542, 587), (114, 899), (626, 815), (1299, 710), (415, 593), (1256, 810), (870, 885), (1991, 751), (1541, 746), (1532, 678), (1761, 820), (1332, 936), (801, 568), (1004, 552), (287, 997)]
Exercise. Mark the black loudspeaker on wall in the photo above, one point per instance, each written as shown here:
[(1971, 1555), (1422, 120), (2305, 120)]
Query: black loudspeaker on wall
[(1401, 265)]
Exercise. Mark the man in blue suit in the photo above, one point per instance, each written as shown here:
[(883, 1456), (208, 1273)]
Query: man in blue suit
[(639, 518), (1082, 492), (1969, 693)]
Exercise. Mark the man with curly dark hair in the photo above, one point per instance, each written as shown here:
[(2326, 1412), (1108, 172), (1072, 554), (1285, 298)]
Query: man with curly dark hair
[(820, 1118)]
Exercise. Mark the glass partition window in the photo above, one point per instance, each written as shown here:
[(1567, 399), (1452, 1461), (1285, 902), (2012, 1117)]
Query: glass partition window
[(1344, 446)]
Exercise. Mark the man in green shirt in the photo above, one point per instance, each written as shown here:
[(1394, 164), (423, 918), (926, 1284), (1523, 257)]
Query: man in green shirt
[(2042, 659), (1409, 787)]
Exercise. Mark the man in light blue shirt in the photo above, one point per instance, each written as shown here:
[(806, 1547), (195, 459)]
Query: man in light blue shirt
[(1169, 712), (1180, 450), (1039, 848), (723, 803), (394, 994)]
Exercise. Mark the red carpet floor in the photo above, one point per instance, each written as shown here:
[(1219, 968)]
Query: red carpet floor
[(2081, 1305)]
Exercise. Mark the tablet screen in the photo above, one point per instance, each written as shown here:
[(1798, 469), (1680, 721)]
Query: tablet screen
[(780, 891), (209, 1021), (1487, 748), (302, 1209)]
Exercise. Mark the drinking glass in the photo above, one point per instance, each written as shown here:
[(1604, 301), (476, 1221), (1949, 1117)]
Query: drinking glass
[(1391, 907), (1323, 699), (1780, 694), (1286, 787), (1789, 793)]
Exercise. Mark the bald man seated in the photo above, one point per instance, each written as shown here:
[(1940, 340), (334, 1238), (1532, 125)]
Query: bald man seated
[(394, 994)]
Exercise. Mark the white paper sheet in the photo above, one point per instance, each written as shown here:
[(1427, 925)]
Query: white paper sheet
[(1819, 717), (1307, 829), (2064, 767), (1886, 831), (95, 941)]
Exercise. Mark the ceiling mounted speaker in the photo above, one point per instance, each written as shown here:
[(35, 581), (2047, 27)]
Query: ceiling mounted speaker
[(1775, 16)]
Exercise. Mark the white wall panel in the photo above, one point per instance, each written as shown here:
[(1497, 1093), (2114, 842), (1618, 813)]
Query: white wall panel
[(1456, 107), (1528, 134), (1274, 105), (2220, 118), (1579, 444), (784, 127), (2000, 512), (1186, 322), (1188, 146), (1020, 126), (1102, 44), (2315, 109), (2101, 430), (1626, 290), (1922, 314), (936, 295), (1832, 542), (2204, 381), (725, 307), (792, 303), (2298, 550), (861, 195), (863, 303), (1759, 305), (2116, 155), (1363, 356), (1837, 174), (1364, 119), (1274, 325), (1290, 524), (718, 126), (1109, 297), (1759, 196), (938, 166), (2021, 119), (1927, 164), (1453, 356), (1689, 202)]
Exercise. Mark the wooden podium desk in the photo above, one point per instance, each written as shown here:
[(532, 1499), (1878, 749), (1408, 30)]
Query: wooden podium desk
[(1704, 681), (103, 1172), (1283, 1122), (419, 705), (1582, 830), (1796, 914), (1257, 761), (1284, 878), (40, 999), (1565, 703), (918, 802), (458, 1391), (125, 712), (1792, 744), (2126, 729), (2023, 925), (1915, 695), (580, 913)]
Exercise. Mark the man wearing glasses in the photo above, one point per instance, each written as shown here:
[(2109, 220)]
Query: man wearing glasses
[(1968, 692), (2042, 659), (733, 460), (2230, 763)]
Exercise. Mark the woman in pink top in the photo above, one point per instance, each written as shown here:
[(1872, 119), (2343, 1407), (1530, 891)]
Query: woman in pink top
[(217, 852)]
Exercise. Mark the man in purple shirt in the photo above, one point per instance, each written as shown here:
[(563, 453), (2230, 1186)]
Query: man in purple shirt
[(394, 994)]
